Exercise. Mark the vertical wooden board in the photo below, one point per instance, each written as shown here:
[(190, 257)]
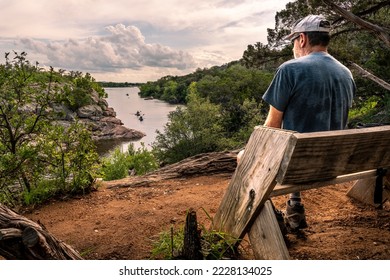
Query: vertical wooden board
[(253, 181), (363, 190), (265, 237)]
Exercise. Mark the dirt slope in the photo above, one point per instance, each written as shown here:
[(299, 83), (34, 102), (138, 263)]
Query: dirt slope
[(123, 223)]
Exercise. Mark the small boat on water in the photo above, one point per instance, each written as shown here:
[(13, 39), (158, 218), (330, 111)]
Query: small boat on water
[(140, 117)]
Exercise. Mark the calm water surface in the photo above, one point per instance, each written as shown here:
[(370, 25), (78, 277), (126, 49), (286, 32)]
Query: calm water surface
[(126, 102)]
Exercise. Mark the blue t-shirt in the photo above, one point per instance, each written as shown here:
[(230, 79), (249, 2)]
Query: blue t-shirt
[(314, 92)]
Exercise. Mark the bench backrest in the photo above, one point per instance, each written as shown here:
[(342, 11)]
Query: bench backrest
[(321, 156), (286, 157)]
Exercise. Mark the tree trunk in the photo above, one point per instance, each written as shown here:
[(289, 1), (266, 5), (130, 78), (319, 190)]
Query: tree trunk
[(23, 239), (192, 247)]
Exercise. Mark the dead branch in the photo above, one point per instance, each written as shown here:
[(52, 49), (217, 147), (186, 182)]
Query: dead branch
[(380, 32), (370, 76), (23, 239)]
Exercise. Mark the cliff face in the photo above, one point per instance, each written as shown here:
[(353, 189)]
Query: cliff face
[(100, 119)]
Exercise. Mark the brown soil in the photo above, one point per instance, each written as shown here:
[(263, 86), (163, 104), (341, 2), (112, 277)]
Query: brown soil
[(123, 223)]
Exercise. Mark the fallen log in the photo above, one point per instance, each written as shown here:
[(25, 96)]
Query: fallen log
[(23, 239), (202, 164)]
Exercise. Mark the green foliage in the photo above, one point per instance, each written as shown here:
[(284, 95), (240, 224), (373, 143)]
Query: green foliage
[(168, 245), (215, 245), (39, 158), (223, 107), (369, 112), (141, 160), (190, 131), (79, 92), (44, 190), (365, 109), (116, 84), (24, 113), (262, 56), (118, 164), (71, 157), (174, 89)]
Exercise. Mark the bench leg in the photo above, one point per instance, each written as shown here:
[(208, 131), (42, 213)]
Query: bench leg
[(265, 236), (363, 190)]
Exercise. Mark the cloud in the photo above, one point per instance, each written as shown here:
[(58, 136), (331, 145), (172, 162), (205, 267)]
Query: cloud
[(121, 47), (131, 39)]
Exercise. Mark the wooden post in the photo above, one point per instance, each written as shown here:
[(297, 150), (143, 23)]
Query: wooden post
[(266, 238), (192, 247), (252, 181)]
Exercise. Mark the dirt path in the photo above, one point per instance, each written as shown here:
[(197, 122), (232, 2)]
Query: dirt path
[(123, 223)]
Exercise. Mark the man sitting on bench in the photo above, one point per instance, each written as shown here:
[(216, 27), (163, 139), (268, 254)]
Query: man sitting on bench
[(312, 92)]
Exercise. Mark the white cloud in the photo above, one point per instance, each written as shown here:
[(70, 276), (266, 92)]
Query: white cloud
[(123, 47), (123, 38)]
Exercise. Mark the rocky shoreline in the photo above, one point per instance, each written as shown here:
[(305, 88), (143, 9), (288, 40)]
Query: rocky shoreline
[(100, 119)]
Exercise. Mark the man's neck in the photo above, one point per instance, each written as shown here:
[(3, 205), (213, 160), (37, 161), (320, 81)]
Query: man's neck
[(315, 49)]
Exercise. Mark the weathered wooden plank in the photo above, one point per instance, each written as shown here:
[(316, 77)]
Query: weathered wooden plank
[(291, 188), (252, 182), (325, 155), (266, 238)]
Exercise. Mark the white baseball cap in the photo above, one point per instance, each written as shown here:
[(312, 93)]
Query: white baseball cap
[(311, 23)]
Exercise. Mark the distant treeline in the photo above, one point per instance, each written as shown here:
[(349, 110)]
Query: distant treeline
[(115, 84)]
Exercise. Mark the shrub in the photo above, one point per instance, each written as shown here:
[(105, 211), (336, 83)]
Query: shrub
[(192, 130), (34, 148), (141, 160), (118, 164)]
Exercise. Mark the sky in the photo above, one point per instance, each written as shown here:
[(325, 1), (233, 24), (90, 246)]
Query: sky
[(134, 40)]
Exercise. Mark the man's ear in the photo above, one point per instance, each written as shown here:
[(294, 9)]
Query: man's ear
[(303, 40)]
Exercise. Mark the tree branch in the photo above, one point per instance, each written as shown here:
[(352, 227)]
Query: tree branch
[(380, 32), (370, 76)]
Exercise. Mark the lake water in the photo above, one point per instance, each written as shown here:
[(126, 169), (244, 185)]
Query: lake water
[(126, 102)]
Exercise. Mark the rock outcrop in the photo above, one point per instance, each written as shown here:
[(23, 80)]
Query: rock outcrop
[(100, 119)]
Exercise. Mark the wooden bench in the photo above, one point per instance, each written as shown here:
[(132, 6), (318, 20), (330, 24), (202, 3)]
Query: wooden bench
[(278, 162)]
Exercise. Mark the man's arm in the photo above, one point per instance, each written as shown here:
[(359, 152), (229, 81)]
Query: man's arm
[(274, 118)]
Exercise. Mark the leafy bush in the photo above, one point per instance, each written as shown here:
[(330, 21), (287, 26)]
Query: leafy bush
[(141, 160), (38, 157), (45, 190), (365, 112), (190, 131), (118, 164)]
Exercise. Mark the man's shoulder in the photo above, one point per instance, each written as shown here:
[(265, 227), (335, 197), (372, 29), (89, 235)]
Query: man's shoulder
[(292, 64)]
